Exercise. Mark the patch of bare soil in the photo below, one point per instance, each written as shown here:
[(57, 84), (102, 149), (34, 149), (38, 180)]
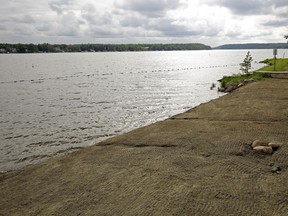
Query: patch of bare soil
[(197, 163)]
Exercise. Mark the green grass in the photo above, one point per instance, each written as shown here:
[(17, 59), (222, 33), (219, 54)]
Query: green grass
[(281, 65), (240, 78)]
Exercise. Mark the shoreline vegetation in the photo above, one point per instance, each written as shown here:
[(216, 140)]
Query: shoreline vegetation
[(60, 48), (230, 83), (253, 46)]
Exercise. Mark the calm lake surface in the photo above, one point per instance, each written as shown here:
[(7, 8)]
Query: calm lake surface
[(52, 104)]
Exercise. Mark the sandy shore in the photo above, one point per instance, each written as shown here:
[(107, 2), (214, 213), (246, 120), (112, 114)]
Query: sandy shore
[(196, 163)]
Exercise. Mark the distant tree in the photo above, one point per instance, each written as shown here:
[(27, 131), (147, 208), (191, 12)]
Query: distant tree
[(286, 37), (31, 48), (46, 47), (246, 64)]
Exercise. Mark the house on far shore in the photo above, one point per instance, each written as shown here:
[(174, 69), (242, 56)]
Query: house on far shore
[(58, 49), (2, 50), (13, 50)]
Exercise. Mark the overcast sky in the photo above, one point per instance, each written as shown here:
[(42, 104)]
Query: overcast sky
[(212, 22)]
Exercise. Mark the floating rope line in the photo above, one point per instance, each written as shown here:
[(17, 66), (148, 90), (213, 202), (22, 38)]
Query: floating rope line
[(41, 80)]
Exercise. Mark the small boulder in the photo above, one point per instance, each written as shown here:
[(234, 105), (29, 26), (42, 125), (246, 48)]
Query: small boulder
[(240, 85), (263, 149), (258, 143), (221, 89), (230, 88)]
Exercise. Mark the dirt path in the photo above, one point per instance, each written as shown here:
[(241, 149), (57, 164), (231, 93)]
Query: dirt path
[(196, 163)]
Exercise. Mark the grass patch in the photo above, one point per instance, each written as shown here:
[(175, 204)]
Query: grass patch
[(242, 78), (281, 65), (236, 79)]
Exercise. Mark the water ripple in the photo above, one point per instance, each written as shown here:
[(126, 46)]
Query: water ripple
[(65, 102)]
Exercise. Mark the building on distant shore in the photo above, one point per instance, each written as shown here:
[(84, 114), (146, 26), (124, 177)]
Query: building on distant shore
[(13, 50)]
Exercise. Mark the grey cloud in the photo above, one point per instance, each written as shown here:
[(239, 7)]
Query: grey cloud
[(232, 34), (60, 5), (273, 11), (150, 8), (71, 19), (24, 31), (28, 19), (24, 19), (69, 25), (283, 15), (168, 28), (276, 23), (282, 12), (212, 32), (104, 32), (44, 27), (3, 27), (101, 24), (130, 20), (133, 21), (247, 7), (97, 18), (159, 26), (68, 31), (150, 16), (279, 3)]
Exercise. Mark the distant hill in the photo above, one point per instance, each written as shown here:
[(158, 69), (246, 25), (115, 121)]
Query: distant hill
[(254, 46)]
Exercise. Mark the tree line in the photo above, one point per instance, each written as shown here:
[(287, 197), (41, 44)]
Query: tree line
[(254, 46), (52, 48)]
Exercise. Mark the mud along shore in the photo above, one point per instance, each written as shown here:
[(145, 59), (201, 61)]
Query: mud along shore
[(195, 163)]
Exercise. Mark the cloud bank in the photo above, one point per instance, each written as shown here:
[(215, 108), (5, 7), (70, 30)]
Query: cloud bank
[(212, 22)]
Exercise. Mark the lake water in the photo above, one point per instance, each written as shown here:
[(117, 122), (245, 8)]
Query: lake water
[(52, 104)]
